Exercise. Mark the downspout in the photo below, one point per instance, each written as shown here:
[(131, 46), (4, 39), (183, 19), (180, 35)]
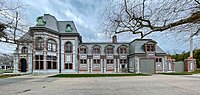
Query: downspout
[(32, 60), (33, 43), (59, 53)]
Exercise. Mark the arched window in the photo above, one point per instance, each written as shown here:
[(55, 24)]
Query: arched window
[(24, 50), (51, 45), (68, 46), (109, 50), (83, 50), (39, 43), (122, 50), (96, 49)]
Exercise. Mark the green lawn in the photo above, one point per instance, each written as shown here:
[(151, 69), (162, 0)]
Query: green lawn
[(196, 72), (96, 75), (6, 71), (9, 75), (183, 73)]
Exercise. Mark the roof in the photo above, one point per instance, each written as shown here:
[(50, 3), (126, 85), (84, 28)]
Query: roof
[(27, 37), (62, 26), (103, 43), (59, 26), (136, 46)]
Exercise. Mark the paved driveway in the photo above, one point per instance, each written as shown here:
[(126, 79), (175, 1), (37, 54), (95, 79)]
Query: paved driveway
[(136, 85)]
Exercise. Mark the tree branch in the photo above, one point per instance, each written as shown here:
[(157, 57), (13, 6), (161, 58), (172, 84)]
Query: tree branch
[(197, 1)]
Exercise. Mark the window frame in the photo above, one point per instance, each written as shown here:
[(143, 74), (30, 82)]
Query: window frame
[(83, 61), (96, 50), (39, 62), (96, 61), (159, 59), (24, 50), (122, 50), (109, 61), (70, 47), (39, 43), (51, 59), (52, 45), (150, 47), (109, 50), (68, 66), (83, 50)]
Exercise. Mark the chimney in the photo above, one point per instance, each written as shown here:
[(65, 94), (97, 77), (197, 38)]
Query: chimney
[(114, 39)]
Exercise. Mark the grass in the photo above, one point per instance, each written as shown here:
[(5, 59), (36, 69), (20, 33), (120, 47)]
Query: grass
[(6, 71), (196, 72), (96, 75), (183, 73), (9, 75)]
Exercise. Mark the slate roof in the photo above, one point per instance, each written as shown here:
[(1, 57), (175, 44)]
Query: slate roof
[(59, 26), (136, 46), (62, 26)]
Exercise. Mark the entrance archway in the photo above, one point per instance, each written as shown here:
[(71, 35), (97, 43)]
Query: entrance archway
[(23, 65)]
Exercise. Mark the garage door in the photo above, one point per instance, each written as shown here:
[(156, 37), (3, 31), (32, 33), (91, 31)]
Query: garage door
[(179, 67), (147, 65)]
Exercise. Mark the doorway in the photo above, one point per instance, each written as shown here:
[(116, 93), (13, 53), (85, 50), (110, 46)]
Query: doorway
[(23, 65)]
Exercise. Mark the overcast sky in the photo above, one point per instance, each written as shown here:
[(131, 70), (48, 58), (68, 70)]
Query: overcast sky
[(87, 17)]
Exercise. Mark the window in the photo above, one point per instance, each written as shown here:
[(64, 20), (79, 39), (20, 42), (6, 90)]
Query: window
[(150, 47), (51, 62), (68, 46), (122, 61), (69, 58), (109, 61), (41, 21), (39, 43), (96, 61), (51, 45), (36, 65), (69, 66), (83, 51), (24, 50), (68, 28), (96, 50), (122, 50), (109, 50), (158, 59), (83, 61), (39, 63)]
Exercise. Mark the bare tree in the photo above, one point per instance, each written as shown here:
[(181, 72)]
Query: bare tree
[(11, 23), (146, 16), (6, 59)]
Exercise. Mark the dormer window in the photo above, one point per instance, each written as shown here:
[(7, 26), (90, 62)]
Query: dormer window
[(150, 47), (41, 21), (68, 28)]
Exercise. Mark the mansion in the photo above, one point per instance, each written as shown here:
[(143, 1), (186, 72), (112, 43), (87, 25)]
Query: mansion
[(53, 46)]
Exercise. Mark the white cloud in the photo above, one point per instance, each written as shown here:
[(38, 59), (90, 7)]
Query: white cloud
[(86, 14)]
